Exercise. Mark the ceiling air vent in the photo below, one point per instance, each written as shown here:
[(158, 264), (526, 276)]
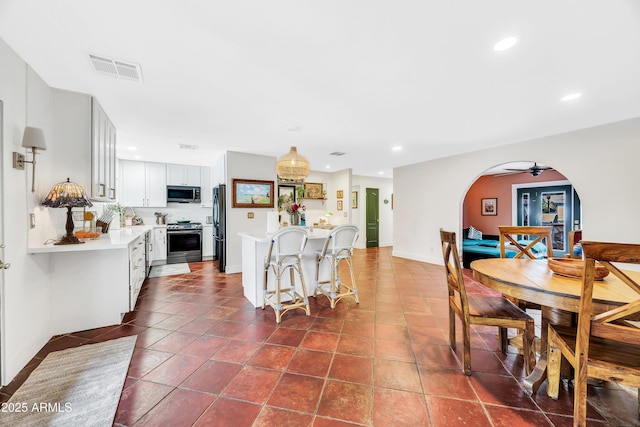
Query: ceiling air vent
[(188, 147), (337, 153), (117, 69)]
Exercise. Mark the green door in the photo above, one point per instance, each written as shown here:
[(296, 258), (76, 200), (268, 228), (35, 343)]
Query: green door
[(373, 215)]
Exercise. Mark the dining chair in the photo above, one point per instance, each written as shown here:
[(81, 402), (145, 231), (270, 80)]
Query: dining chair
[(338, 247), (523, 239), (606, 345), (573, 238), (285, 254), (509, 235), (481, 310)]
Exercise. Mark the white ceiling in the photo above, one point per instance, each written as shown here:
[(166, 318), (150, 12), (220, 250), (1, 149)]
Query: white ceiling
[(358, 76)]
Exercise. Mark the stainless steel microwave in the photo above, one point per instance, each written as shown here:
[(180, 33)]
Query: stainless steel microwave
[(183, 194)]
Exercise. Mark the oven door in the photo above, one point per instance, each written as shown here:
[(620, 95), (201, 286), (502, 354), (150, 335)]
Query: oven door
[(184, 246)]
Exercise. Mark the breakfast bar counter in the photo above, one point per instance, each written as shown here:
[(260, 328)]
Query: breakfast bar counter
[(254, 251)]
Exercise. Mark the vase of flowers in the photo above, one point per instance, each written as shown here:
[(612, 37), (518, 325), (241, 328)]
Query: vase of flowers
[(295, 210)]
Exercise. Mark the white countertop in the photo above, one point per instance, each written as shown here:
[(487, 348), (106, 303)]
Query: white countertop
[(317, 233), (114, 239)]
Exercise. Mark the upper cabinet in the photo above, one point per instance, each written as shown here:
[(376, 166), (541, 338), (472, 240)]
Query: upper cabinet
[(206, 193), (85, 141), (183, 175), (144, 184)]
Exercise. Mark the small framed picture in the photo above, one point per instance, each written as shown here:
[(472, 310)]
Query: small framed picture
[(339, 207), (339, 194), (354, 200), (490, 206)]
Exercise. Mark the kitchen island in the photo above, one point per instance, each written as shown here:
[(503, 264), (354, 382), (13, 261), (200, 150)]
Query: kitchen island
[(95, 283), (254, 251)]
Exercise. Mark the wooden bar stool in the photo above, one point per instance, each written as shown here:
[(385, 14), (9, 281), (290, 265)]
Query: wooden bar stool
[(338, 247), (285, 253)]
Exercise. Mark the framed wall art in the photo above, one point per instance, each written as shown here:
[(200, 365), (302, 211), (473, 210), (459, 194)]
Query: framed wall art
[(339, 206), (354, 200), (288, 191), (313, 190), (247, 193), (339, 194), (490, 207)]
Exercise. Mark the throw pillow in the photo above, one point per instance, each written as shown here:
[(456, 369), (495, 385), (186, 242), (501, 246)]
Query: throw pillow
[(474, 233)]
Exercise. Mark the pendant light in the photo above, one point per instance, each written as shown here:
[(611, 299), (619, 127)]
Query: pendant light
[(292, 166)]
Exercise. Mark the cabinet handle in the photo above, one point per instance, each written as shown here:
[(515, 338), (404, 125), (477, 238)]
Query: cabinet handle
[(102, 189), (4, 266), (113, 193)]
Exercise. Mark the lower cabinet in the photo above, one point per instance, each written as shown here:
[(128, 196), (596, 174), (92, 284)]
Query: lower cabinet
[(137, 268), (159, 246)]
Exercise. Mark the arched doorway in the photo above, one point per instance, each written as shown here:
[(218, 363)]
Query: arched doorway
[(515, 194)]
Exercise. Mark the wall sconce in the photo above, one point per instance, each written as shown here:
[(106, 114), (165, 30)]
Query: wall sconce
[(33, 138)]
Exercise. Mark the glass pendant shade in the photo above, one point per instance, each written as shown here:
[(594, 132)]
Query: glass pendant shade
[(292, 165)]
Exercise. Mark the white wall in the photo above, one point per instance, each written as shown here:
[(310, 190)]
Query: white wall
[(25, 289), (601, 162), (245, 166), (385, 227)]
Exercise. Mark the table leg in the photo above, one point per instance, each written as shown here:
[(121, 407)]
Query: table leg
[(557, 317)]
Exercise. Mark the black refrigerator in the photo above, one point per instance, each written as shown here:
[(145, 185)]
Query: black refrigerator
[(219, 226)]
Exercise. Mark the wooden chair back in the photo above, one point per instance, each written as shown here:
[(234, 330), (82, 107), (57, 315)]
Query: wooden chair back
[(453, 270), (611, 324), (605, 345), (535, 234)]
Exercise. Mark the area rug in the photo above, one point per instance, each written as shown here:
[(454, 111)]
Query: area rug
[(79, 386), (169, 269)]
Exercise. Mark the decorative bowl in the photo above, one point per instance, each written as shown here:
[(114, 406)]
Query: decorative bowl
[(572, 267)]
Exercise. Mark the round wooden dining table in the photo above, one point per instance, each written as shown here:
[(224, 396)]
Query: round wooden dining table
[(531, 280)]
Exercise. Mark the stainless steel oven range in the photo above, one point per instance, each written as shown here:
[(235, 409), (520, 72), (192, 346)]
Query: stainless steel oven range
[(184, 242)]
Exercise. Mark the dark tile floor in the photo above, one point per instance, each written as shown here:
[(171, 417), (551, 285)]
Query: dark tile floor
[(206, 357)]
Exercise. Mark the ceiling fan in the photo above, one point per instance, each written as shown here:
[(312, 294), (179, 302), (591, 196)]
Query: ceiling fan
[(534, 170)]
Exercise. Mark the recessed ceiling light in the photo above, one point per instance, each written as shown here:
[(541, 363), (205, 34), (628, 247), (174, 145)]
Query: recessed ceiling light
[(328, 167), (380, 173), (505, 44), (571, 96), (131, 148), (397, 148), (136, 157)]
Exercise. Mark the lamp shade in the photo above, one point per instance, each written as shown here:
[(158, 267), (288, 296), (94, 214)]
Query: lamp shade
[(33, 138), (292, 165), (66, 195)]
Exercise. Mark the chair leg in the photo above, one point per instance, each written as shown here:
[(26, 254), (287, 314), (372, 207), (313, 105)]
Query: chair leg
[(529, 347), (554, 357), (452, 328), (304, 291), (504, 340), (264, 286), (278, 307), (354, 287), (466, 348)]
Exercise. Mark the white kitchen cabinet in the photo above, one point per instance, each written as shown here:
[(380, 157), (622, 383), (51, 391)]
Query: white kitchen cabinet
[(206, 193), (85, 141), (137, 268), (159, 246), (143, 184), (207, 242), (183, 175)]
